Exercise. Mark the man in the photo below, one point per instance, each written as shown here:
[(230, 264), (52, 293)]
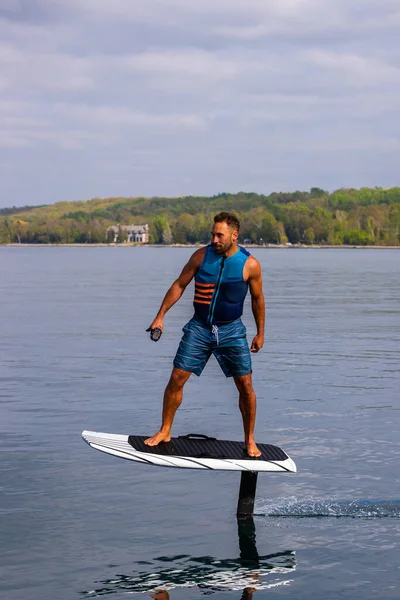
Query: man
[(223, 272)]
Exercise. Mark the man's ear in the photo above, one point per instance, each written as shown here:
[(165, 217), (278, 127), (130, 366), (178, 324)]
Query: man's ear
[(235, 234)]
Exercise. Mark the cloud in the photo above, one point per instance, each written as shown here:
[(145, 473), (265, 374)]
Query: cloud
[(231, 94), (195, 62), (117, 116), (357, 70), (10, 6), (42, 71)]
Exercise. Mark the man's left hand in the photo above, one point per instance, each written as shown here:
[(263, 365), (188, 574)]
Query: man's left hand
[(257, 343)]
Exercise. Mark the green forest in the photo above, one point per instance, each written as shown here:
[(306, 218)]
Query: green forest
[(357, 217)]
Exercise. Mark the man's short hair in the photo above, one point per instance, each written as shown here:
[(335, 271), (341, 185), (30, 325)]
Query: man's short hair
[(230, 219)]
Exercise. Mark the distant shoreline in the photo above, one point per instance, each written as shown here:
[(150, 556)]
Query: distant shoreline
[(263, 246)]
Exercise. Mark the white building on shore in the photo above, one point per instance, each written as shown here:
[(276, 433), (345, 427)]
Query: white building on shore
[(135, 233)]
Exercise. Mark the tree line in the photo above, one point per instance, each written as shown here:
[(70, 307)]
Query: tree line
[(366, 216)]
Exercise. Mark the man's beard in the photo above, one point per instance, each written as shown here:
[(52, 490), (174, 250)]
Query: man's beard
[(223, 248)]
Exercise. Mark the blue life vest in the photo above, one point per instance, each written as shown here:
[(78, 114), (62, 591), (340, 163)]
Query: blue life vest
[(220, 289)]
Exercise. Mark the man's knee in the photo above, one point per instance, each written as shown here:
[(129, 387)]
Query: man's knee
[(178, 379), (244, 385)]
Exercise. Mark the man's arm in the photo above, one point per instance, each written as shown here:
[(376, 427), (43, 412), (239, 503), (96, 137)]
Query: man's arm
[(178, 287), (254, 279)]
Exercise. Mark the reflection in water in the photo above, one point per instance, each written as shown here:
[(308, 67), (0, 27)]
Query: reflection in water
[(247, 574)]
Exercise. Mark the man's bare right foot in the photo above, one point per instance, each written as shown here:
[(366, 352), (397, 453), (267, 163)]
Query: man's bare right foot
[(252, 449), (157, 438)]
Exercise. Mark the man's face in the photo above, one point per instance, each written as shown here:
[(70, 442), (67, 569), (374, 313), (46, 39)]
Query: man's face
[(223, 237)]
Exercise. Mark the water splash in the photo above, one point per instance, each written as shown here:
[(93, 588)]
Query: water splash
[(311, 507)]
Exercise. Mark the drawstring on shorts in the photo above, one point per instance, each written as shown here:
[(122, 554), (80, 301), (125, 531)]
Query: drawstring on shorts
[(215, 332)]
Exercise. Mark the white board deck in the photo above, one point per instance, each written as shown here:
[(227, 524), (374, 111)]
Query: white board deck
[(119, 445)]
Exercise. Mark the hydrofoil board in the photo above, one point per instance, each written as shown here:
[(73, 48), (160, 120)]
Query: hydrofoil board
[(192, 451)]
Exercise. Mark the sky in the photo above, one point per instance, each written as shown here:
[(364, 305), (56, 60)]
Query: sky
[(102, 98)]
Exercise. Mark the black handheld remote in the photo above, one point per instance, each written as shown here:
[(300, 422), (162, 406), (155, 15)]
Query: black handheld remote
[(155, 333)]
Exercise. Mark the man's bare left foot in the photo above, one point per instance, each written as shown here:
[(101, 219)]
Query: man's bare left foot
[(157, 438), (252, 449)]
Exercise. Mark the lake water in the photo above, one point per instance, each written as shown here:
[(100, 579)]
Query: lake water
[(77, 524)]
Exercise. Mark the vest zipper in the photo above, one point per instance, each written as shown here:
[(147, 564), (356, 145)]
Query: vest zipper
[(212, 306)]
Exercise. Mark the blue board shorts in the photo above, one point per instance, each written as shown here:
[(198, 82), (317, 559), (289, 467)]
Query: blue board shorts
[(227, 342)]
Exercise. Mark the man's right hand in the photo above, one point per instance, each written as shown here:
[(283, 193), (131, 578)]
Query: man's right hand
[(158, 323), (156, 329)]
